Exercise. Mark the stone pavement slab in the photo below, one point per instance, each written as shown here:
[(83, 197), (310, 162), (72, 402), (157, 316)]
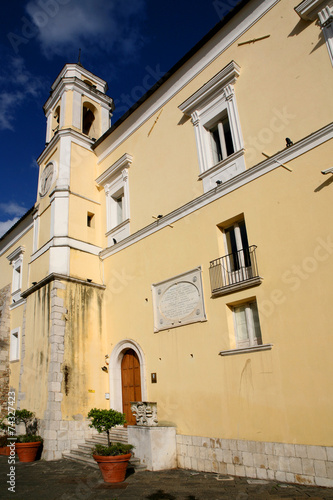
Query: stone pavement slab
[(65, 480)]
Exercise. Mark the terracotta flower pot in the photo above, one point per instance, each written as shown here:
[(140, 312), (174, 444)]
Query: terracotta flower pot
[(113, 469), (27, 451), (4, 450)]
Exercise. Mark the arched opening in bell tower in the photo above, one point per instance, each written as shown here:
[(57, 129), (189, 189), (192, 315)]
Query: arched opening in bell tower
[(56, 119), (88, 117)]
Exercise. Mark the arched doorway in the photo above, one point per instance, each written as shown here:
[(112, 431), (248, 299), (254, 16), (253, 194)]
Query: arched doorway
[(115, 372), (130, 383)]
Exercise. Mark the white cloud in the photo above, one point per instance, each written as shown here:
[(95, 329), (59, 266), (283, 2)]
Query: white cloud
[(92, 25), (18, 84), (6, 225), (34, 163), (8, 104), (13, 208)]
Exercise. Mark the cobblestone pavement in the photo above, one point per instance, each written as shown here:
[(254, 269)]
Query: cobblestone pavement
[(64, 480)]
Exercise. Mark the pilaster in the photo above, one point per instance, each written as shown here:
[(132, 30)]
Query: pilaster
[(21, 395), (5, 298)]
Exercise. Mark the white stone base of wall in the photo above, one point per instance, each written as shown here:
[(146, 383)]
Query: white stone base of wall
[(63, 436), (292, 463)]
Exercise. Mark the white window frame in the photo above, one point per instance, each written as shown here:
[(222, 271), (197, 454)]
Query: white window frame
[(116, 184), (312, 10), (219, 145), (16, 261), (254, 336), (243, 273), (205, 107), (326, 23), (15, 338)]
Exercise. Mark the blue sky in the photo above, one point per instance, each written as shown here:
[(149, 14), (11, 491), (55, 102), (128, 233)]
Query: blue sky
[(130, 44)]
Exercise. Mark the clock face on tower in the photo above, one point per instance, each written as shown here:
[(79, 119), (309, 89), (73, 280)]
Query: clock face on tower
[(46, 179)]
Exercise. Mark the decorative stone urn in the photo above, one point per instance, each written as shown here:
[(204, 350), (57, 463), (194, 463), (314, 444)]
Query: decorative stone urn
[(145, 413)]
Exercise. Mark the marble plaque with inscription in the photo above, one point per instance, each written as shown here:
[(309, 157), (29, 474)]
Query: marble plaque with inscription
[(178, 301)]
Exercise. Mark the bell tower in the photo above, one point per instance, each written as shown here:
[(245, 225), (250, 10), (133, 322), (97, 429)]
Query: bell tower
[(66, 220), (78, 101)]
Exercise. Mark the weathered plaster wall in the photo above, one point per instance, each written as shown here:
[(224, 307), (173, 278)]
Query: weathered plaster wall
[(36, 355), (61, 376), (84, 351)]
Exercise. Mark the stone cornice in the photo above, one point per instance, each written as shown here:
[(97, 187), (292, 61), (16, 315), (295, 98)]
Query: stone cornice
[(64, 241), (59, 277), (74, 83), (288, 154), (76, 137), (83, 71)]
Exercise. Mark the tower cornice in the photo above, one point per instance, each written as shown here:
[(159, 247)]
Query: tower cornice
[(77, 137), (71, 83)]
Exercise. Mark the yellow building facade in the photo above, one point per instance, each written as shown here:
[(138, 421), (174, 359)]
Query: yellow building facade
[(188, 250)]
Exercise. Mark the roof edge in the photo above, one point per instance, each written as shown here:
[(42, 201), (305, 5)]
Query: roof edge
[(17, 223), (173, 69)]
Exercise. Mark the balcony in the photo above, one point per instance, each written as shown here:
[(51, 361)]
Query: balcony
[(233, 272)]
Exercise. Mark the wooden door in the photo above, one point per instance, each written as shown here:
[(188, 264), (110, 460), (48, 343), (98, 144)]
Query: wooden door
[(131, 383)]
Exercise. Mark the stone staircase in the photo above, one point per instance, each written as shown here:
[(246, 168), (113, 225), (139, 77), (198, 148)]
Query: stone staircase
[(83, 452)]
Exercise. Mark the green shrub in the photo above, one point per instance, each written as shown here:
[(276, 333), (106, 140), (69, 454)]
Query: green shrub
[(113, 450), (4, 441), (104, 420), (24, 416), (28, 438), (29, 420), (3, 425)]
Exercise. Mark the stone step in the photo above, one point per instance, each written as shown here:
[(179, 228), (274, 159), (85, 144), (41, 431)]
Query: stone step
[(78, 456), (92, 442), (83, 452)]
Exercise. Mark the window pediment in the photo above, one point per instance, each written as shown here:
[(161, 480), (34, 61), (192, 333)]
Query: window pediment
[(108, 175), (309, 9), (227, 76), (16, 254)]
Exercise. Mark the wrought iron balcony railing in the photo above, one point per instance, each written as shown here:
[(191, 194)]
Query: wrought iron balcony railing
[(237, 268)]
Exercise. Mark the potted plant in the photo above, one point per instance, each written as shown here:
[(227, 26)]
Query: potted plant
[(27, 444), (113, 458), (4, 449)]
